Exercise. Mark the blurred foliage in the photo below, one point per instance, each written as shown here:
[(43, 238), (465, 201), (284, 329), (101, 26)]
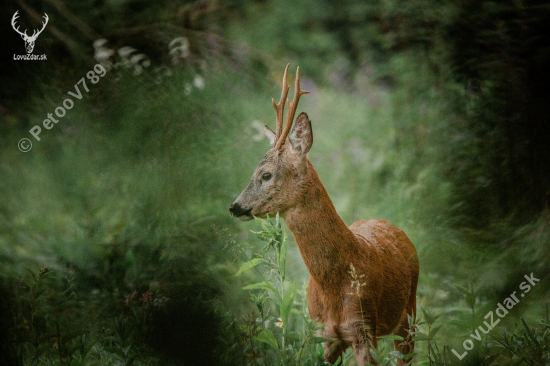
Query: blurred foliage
[(487, 60), (430, 114)]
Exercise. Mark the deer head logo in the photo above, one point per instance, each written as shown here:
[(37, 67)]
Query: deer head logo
[(29, 40)]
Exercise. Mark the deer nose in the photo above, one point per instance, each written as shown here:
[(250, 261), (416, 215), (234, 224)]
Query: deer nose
[(236, 210)]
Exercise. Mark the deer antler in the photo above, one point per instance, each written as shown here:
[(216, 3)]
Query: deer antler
[(43, 26), (24, 34), (291, 109), (279, 108), (15, 16)]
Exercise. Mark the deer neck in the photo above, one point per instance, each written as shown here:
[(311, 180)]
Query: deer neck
[(325, 242)]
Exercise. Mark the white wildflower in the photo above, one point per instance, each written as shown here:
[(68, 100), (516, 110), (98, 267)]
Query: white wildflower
[(198, 82), (179, 49), (125, 51)]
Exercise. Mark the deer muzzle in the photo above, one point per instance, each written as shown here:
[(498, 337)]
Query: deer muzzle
[(240, 212)]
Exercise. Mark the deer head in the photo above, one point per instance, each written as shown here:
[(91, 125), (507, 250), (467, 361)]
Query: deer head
[(29, 40), (282, 175)]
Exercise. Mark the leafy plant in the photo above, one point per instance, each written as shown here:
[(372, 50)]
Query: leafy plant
[(531, 346), (291, 344)]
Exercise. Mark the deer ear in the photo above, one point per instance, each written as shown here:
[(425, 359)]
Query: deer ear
[(301, 135), (270, 135)]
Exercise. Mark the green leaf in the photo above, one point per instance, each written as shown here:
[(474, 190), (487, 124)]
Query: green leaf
[(39, 293), (434, 331), (396, 354), (338, 361), (266, 336), (377, 356), (470, 295), (87, 349), (408, 356), (264, 286), (430, 318), (287, 303), (32, 273), (117, 351), (411, 319), (393, 337), (250, 264), (425, 362)]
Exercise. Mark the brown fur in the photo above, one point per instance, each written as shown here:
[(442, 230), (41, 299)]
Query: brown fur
[(376, 248)]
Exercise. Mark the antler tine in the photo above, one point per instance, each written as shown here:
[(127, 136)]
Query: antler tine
[(279, 108), (43, 26), (13, 19), (46, 18), (291, 110)]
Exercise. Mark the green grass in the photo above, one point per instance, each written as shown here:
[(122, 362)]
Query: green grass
[(122, 196)]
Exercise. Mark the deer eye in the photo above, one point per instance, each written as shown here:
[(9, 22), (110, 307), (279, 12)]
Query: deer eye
[(266, 176)]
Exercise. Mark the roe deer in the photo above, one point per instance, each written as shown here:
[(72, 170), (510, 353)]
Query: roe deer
[(286, 182)]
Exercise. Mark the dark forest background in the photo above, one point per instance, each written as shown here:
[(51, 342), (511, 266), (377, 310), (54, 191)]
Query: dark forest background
[(116, 244)]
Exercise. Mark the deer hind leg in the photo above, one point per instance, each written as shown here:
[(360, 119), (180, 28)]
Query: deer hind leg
[(407, 346), (335, 348), (363, 342)]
